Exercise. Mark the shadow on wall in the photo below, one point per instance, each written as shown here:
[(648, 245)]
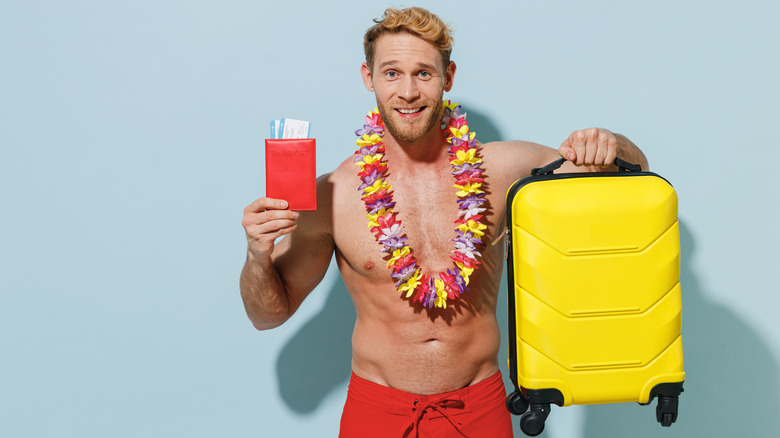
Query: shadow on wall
[(317, 359), (731, 385)]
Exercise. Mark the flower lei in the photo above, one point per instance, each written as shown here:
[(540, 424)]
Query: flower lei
[(382, 220)]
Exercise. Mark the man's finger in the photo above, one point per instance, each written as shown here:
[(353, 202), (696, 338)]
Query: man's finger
[(580, 139), (611, 155), (595, 142), (258, 230), (566, 150), (262, 204), (252, 219)]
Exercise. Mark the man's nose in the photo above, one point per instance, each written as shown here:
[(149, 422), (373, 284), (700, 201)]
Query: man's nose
[(409, 90)]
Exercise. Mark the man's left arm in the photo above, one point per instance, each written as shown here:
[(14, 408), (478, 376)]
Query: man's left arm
[(595, 150)]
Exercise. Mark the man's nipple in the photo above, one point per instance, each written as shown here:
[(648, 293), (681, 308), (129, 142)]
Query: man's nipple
[(368, 266)]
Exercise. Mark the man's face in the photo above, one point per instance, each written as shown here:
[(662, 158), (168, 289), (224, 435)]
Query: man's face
[(409, 81)]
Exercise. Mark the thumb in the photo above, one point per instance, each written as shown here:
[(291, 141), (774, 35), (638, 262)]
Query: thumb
[(566, 151)]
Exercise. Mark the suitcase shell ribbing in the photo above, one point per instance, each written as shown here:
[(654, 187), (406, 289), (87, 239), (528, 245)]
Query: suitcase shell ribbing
[(594, 293)]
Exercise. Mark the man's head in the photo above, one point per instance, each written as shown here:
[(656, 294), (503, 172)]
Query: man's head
[(408, 69), (416, 21)]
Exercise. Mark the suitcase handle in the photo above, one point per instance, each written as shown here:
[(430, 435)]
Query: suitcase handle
[(623, 166), (548, 169)]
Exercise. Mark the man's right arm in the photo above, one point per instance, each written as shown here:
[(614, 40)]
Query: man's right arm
[(277, 277)]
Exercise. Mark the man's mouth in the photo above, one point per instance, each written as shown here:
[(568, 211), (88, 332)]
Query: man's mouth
[(410, 110)]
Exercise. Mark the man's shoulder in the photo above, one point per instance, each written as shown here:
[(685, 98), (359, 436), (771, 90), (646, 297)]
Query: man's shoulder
[(519, 148), (516, 158), (345, 172), (340, 181)]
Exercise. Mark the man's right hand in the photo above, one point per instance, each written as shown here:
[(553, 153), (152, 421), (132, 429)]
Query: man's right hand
[(265, 220)]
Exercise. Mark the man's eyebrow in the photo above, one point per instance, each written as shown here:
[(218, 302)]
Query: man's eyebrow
[(421, 65), (386, 63), (426, 66)]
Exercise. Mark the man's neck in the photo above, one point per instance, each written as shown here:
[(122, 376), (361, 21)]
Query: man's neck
[(430, 150)]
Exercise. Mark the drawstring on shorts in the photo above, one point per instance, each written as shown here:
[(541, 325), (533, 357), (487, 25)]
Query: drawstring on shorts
[(439, 406)]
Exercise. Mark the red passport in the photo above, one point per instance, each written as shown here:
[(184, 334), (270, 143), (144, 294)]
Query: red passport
[(291, 172)]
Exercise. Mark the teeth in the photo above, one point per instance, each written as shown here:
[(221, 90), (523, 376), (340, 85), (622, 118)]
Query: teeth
[(408, 111)]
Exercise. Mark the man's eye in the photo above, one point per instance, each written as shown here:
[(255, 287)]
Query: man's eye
[(391, 74), (424, 74)]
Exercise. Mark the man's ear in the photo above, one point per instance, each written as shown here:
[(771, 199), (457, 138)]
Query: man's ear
[(449, 76), (365, 72)]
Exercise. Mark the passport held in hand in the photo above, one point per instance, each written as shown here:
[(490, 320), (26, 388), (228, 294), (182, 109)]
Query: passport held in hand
[(291, 171)]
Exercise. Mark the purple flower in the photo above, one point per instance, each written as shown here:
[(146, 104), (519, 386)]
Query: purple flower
[(470, 211), (392, 238), (370, 129), (459, 281), (370, 179), (366, 150), (430, 296), (403, 274), (392, 243), (466, 236), (466, 167), (380, 204), (470, 202), (465, 244), (456, 141)]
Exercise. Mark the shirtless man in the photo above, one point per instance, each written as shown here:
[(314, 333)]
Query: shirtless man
[(416, 368)]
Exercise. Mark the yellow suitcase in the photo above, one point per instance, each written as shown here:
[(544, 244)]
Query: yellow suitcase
[(593, 292)]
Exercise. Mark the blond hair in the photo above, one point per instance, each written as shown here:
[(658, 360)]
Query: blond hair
[(416, 21)]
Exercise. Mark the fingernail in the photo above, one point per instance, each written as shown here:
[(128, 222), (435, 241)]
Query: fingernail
[(284, 204), (296, 214)]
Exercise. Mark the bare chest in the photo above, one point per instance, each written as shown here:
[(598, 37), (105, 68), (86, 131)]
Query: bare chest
[(427, 210)]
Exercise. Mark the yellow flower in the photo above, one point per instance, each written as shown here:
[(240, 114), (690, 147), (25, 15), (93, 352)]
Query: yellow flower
[(465, 272), (441, 295), (468, 188), (372, 218), (473, 226), (367, 140), (466, 157), (377, 186), (411, 284), (460, 132), (368, 159), (397, 254)]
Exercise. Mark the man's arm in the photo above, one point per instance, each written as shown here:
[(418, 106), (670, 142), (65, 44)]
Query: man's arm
[(277, 277), (596, 150)]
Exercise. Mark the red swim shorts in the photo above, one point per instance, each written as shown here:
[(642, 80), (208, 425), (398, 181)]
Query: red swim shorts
[(376, 411)]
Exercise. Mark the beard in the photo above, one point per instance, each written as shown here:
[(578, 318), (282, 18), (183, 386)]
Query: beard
[(410, 133)]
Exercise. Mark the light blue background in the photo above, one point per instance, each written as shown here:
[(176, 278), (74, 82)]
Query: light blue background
[(132, 138)]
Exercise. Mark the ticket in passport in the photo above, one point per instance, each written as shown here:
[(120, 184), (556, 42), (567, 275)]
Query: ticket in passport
[(291, 164)]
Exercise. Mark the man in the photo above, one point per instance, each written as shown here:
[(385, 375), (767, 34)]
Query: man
[(426, 339)]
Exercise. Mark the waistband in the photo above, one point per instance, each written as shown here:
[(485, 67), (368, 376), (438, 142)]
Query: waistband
[(394, 401)]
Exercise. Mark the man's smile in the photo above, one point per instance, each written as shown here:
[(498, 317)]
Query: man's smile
[(410, 111)]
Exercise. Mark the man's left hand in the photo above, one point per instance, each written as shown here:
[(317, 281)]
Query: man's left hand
[(590, 147)]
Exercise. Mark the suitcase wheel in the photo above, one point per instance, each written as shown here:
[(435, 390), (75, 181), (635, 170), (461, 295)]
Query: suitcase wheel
[(516, 404), (532, 422), (666, 411)]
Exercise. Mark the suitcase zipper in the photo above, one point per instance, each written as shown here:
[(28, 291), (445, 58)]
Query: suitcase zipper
[(506, 242)]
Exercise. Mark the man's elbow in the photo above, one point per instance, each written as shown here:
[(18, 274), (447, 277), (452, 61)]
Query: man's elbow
[(267, 321)]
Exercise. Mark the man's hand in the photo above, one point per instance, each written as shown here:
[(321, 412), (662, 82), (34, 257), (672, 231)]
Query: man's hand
[(264, 221), (590, 147)]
